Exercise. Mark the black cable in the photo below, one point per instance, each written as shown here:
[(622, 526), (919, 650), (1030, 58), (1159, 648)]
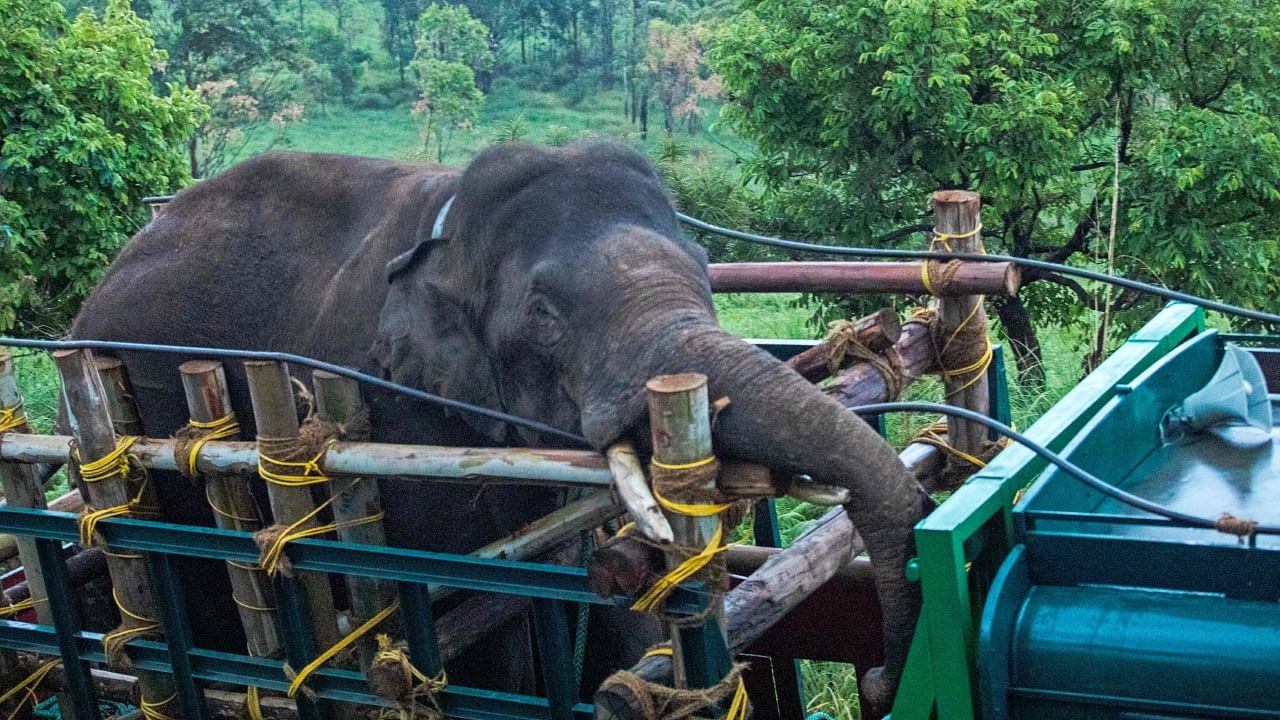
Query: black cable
[(297, 360), (1065, 465), (1265, 317)]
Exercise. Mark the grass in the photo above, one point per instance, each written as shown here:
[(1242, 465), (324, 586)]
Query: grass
[(509, 112)]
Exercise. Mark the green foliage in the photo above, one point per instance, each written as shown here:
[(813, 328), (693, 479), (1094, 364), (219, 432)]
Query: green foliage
[(511, 130), (449, 33), (343, 63), (85, 137), (861, 109), (452, 45)]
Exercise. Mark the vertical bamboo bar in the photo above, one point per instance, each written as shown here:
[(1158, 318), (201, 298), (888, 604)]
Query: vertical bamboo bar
[(276, 416), (234, 507), (90, 421), (120, 405), (680, 425), (959, 212), (22, 490), (338, 400)]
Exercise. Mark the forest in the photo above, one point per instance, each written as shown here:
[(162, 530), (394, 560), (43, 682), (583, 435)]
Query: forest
[(1138, 137)]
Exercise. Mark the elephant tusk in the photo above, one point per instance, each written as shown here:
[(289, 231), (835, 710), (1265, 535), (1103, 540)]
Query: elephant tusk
[(816, 493), (632, 488)]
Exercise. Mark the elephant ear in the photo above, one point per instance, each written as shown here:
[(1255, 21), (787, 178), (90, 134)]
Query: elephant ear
[(424, 340)]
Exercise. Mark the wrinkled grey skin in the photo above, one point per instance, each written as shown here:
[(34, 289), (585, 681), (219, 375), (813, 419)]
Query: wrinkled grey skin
[(564, 285)]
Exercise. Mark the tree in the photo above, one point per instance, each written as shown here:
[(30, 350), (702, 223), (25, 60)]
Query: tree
[(451, 46), (677, 65), (85, 137), (247, 42), (860, 109)]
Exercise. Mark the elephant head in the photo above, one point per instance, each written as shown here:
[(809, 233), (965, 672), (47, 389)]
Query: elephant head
[(562, 283)]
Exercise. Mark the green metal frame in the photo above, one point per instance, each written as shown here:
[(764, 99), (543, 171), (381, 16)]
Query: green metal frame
[(961, 544), (551, 586)]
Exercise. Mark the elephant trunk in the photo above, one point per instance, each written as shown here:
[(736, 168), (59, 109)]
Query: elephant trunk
[(777, 419)]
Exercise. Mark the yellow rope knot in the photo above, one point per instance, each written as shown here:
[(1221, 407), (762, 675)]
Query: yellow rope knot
[(271, 540), (28, 686), (117, 463), (659, 702), (114, 642), (297, 679), (298, 461), (192, 439), (393, 677), (842, 343), (688, 482)]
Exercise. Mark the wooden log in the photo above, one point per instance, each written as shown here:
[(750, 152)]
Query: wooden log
[(275, 415), (90, 422), (877, 331), (338, 400), (204, 383), (958, 212), (863, 383), (22, 490), (632, 488), (680, 428), (971, 278), (84, 567)]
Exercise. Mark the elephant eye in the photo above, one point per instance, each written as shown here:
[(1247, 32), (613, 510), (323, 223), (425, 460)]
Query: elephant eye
[(544, 321)]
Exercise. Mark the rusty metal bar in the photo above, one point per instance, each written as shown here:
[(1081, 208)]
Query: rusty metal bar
[(861, 277)]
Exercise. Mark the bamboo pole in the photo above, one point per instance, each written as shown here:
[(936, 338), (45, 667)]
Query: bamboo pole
[(204, 383), (971, 278), (120, 405), (90, 422), (338, 400), (862, 383), (958, 213), (22, 490), (276, 416), (680, 427)]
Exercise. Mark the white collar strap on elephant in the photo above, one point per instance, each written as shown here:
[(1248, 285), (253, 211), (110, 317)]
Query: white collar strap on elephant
[(401, 262), (437, 230)]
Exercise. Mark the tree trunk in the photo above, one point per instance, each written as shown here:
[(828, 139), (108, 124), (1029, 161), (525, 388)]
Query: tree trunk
[(1022, 338), (606, 43), (644, 112), (193, 154)]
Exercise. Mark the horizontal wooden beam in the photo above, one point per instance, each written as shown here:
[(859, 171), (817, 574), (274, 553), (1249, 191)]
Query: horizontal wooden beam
[(970, 278)]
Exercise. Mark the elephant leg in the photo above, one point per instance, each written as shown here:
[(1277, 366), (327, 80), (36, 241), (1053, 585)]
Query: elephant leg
[(617, 638)]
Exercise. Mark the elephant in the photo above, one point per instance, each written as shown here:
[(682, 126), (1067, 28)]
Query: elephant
[(549, 283)]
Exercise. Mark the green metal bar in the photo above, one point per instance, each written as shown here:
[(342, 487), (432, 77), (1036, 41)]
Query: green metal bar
[(998, 402), (420, 628), (177, 632), (948, 615), (789, 685), (551, 630), (328, 683), (62, 608), (298, 642), (397, 564)]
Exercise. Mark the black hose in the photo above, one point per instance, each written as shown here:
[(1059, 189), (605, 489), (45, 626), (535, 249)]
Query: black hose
[(1054, 458)]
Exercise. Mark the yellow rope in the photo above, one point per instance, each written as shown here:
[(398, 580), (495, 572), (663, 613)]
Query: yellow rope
[(253, 703), (270, 560), (946, 238), (151, 710), (655, 595), (684, 466), (229, 515), (115, 640), (389, 654), (691, 510), (220, 429), (298, 679), (740, 703), (311, 471), (12, 418), (114, 463), (932, 435), (20, 607), (255, 608), (28, 686), (659, 650)]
